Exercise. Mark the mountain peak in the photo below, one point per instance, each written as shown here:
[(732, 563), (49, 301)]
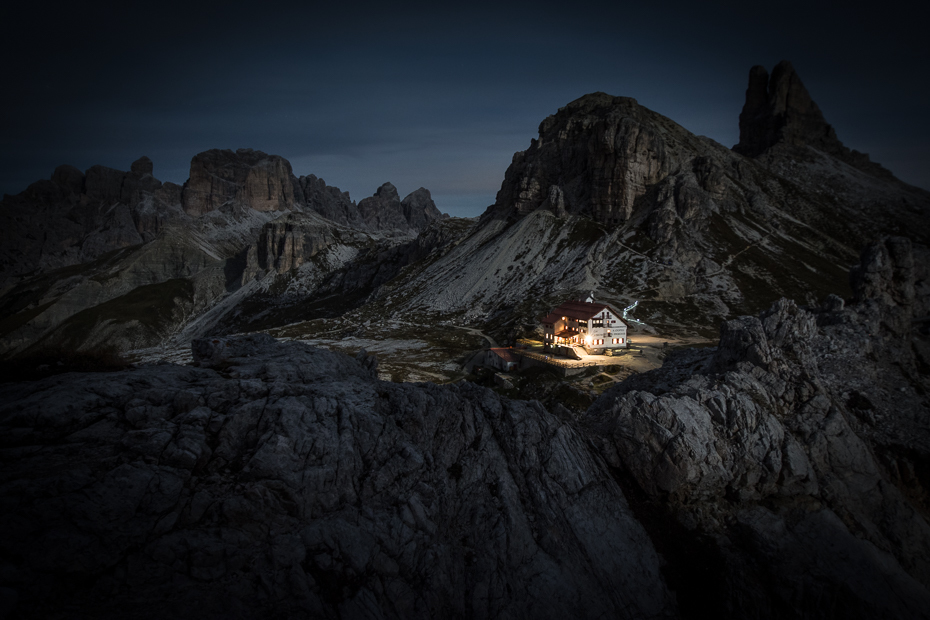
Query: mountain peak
[(387, 192), (253, 178), (386, 211), (779, 110), (143, 165), (595, 157)]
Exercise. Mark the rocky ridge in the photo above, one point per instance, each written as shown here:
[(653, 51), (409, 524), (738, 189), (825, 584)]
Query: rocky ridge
[(617, 199), (83, 216), (386, 211), (611, 198), (80, 249)]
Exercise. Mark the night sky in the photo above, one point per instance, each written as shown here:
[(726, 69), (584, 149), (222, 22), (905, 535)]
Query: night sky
[(425, 95)]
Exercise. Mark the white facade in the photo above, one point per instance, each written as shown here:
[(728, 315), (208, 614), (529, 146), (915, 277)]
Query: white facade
[(592, 325), (606, 330)]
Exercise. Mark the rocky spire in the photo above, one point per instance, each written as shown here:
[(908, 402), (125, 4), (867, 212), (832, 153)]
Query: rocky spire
[(143, 165), (779, 110), (386, 211), (383, 210), (420, 210)]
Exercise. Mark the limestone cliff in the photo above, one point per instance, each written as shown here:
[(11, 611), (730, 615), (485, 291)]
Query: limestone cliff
[(76, 217), (252, 178), (594, 157), (330, 202), (77, 246), (419, 209)]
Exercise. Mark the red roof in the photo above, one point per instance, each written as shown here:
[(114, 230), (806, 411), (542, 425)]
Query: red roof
[(581, 310), (505, 354)]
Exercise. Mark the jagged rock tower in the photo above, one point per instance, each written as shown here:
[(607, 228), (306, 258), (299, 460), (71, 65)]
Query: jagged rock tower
[(780, 111)]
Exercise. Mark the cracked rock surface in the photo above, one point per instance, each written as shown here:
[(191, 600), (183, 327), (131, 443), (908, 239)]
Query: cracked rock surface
[(278, 479), (792, 448)]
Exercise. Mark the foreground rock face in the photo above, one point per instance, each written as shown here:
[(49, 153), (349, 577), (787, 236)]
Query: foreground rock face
[(287, 480), (800, 447), (782, 474)]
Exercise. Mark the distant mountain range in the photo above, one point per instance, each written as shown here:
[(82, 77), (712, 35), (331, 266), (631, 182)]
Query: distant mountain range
[(611, 198)]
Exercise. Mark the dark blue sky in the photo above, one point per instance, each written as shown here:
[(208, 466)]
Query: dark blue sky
[(417, 95)]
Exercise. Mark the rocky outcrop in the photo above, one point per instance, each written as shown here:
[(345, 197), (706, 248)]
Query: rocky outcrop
[(779, 110), (885, 285), (419, 209), (385, 211), (142, 166), (285, 480), (330, 202), (775, 446), (220, 177), (595, 157)]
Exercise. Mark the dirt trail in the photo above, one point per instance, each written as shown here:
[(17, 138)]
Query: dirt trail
[(472, 330)]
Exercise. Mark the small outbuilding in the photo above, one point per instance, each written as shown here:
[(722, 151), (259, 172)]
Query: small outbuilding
[(502, 359)]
